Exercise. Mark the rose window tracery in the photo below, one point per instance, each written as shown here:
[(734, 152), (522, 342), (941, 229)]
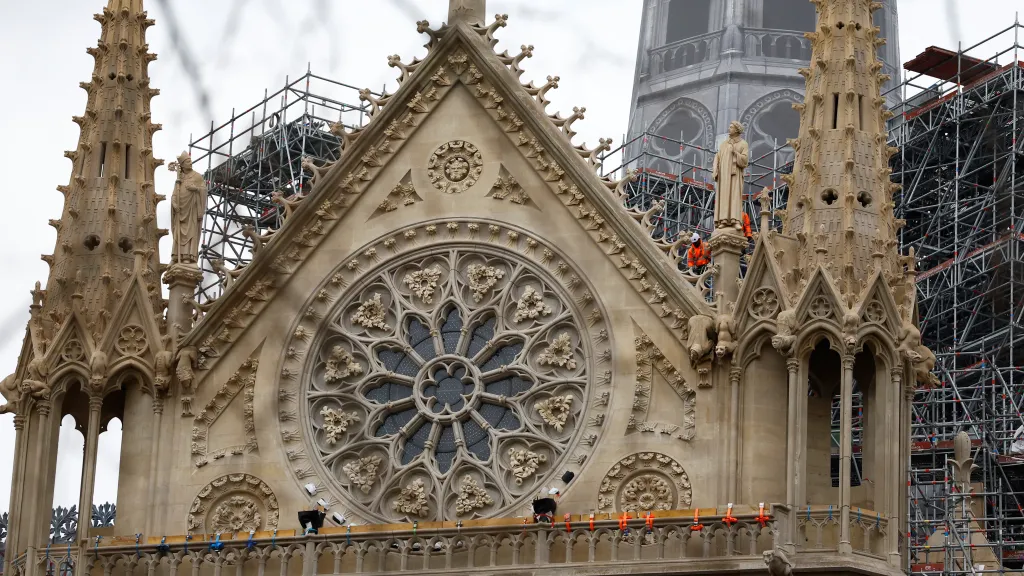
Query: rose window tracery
[(455, 405)]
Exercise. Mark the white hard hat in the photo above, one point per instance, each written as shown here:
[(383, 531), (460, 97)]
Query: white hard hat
[(553, 492), (695, 237)]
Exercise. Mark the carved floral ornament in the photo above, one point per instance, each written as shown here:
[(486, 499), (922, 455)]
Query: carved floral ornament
[(131, 340), (645, 482), (452, 406), (234, 503)]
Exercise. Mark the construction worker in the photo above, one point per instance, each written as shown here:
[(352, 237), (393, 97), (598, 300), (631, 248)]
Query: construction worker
[(698, 255), (749, 252)]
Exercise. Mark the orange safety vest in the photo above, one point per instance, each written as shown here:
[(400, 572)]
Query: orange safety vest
[(746, 226), (698, 256)]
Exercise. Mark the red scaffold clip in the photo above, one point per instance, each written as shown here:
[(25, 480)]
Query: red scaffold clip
[(623, 520), (729, 520), (591, 521), (697, 526), (649, 520), (761, 517), (568, 528)]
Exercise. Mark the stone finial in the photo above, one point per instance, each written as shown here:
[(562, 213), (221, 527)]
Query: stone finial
[(469, 11), (963, 463)]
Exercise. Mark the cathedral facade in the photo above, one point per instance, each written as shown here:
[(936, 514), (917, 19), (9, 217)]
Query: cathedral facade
[(462, 317)]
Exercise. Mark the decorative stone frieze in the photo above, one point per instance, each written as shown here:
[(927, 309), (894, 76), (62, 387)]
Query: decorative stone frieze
[(455, 167)]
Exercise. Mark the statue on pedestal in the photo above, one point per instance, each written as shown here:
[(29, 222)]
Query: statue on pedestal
[(730, 162), (188, 206)]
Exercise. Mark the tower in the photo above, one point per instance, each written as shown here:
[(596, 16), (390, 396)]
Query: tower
[(702, 64), (95, 330)]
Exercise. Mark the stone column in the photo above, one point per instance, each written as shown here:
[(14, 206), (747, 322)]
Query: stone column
[(181, 280), (17, 480), (735, 375), (845, 452), (92, 436), (793, 478), (727, 247), (895, 455), (37, 521), (154, 459)]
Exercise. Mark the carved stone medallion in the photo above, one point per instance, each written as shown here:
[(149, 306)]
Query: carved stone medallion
[(234, 503), (645, 482), (131, 341), (455, 167)]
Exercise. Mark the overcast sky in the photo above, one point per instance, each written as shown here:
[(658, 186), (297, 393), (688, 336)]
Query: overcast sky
[(246, 46)]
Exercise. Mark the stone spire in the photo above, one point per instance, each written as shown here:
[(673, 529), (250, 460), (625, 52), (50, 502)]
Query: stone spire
[(840, 199), (471, 11), (107, 228)]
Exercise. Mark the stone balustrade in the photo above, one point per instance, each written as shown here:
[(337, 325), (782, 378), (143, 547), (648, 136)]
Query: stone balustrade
[(780, 44), (684, 53), (673, 538)]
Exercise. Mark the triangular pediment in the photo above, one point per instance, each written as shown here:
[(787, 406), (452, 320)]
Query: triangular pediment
[(663, 403), (878, 307), (132, 330), (71, 344), (763, 294), (461, 63), (820, 300)]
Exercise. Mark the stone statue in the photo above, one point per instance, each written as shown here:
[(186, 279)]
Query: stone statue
[(725, 326), (730, 161), (188, 206), (187, 358), (701, 329), (851, 324)]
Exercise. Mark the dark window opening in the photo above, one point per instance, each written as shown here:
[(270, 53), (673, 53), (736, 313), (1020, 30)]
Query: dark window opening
[(860, 112), (835, 110), (127, 161), (103, 159), (789, 15), (687, 18)]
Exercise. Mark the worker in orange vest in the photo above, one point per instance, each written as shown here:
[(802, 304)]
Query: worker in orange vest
[(698, 255), (746, 228)]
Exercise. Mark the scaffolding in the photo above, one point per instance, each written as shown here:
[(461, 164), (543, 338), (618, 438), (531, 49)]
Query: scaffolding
[(960, 131), (260, 151)]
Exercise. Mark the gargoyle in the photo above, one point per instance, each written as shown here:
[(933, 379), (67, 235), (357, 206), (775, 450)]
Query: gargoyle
[(777, 562), (10, 389), (784, 338), (725, 327), (920, 357), (187, 357), (98, 371), (851, 323), (163, 365), (701, 331)]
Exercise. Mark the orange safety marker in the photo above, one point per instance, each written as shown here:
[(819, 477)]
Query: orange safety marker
[(567, 517), (650, 521), (729, 520), (623, 520), (697, 526), (591, 521), (761, 517)]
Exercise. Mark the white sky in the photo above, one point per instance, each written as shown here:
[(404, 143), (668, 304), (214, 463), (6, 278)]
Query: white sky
[(591, 44)]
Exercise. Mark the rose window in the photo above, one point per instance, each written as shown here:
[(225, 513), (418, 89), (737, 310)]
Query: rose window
[(448, 385)]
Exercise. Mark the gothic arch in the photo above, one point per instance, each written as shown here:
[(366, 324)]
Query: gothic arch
[(768, 119), (755, 337), (690, 122)]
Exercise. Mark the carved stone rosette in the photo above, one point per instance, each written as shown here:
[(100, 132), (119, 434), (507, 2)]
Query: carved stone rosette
[(433, 396), (234, 503), (645, 482)]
